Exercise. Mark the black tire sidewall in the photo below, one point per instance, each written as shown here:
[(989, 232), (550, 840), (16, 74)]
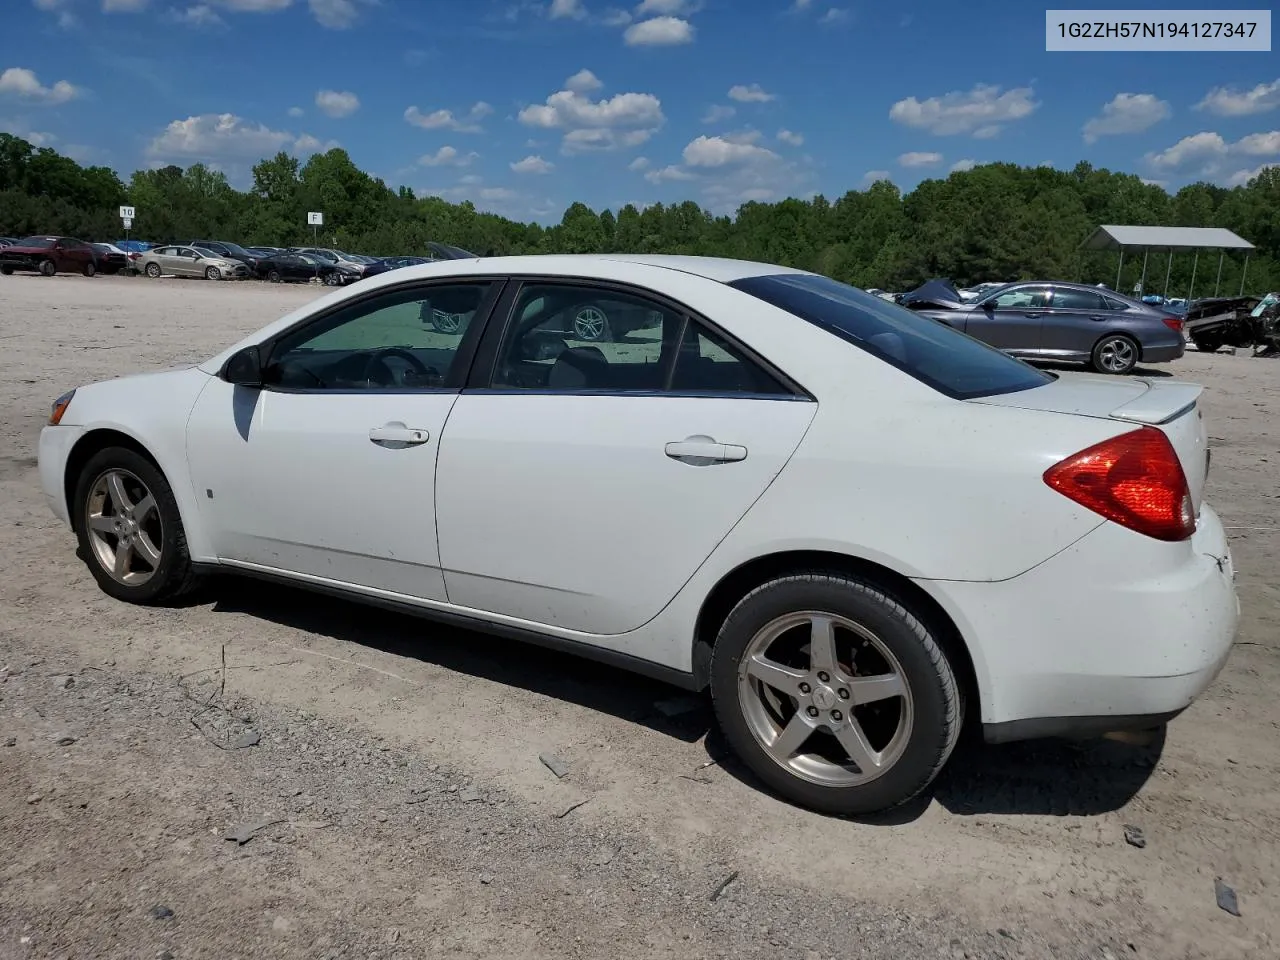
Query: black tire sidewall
[(90, 269), (174, 559), (1097, 349), (48, 268), (866, 603)]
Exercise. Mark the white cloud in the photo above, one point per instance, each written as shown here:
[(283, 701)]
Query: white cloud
[(23, 83), (615, 18), (659, 32), (721, 151), (1259, 144), (308, 144), (446, 120), (337, 103), (918, 159), (211, 137), (650, 8), (1203, 150), (961, 165), (750, 93), (639, 163), (981, 111), (200, 15), (123, 6), (789, 137), (1241, 178), (669, 173), (871, 176), (1152, 183), (296, 111), (1229, 102), (532, 164), (717, 113), (336, 14), (802, 5), (255, 6), (584, 81), (836, 15), (448, 157), (625, 119), (1127, 113), (567, 9)]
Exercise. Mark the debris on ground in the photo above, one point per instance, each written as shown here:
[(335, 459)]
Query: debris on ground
[(572, 807), (65, 740), (247, 831), (469, 795), (554, 764), (161, 912), (1227, 899), (724, 885), (250, 738), (1134, 836)]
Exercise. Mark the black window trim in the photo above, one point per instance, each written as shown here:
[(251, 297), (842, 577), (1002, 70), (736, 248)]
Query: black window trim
[(484, 363), (459, 370)]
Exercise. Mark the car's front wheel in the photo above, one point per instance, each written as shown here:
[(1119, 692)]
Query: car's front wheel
[(153, 270), (129, 528), (835, 693), (1115, 353), (273, 276), (212, 273)]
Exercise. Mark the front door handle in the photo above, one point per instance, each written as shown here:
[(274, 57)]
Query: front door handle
[(1033, 316), (1099, 319), (702, 451), (397, 435)]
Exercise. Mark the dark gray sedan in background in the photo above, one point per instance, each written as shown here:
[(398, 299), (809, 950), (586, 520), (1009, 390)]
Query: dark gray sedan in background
[(1070, 322)]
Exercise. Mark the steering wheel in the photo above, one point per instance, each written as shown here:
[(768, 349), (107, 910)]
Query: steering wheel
[(417, 374)]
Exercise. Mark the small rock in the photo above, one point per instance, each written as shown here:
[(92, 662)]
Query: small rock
[(486, 878), (65, 740), (250, 738), (1005, 933), (164, 955), (34, 798), (161, 912), (66, 683), (1134, 836), (11, 742), (380, 817), (1227, 899), (453, 788), (554, 764), (247, 831), (469, 795), (281, 925)]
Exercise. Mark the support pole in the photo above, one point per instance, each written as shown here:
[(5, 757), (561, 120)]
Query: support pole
[(1217, 283), (1191, 292), (1244, 274), (1119, 269), (1168, 270), (1142, 284)]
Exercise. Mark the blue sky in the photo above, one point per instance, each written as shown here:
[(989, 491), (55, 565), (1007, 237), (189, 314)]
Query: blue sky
[(523, 106)]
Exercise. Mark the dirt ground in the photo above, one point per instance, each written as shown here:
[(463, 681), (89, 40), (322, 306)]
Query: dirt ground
[(401, 807)]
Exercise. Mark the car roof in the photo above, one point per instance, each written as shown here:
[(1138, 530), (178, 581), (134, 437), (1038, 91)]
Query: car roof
[(722, 269)]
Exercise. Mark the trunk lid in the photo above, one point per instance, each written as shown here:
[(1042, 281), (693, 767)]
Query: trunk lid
[(1170, 405)]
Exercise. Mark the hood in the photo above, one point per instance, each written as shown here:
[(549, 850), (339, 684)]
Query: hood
[(937, 292)]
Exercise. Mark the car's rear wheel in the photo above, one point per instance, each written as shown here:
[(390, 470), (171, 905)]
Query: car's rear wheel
[(7, 271), (153, 270), (48, 268), (1115, 353), (90, 269), (129, 528), (835, 693)]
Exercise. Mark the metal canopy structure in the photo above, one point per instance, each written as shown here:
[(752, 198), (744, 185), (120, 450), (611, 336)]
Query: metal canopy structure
[(1170, 239)]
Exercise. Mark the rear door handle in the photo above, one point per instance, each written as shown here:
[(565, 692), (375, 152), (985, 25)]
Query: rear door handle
[(701, 451), (1033, 316), (398, 434), (1099, 319)]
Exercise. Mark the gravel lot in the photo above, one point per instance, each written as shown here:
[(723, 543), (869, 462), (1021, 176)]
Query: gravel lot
[(401, 806)]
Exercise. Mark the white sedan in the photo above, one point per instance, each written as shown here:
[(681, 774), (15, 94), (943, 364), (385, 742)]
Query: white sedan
[(858, 527)]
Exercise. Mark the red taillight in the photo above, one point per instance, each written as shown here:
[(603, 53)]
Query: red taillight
[(1173, 323), (1134, 479)]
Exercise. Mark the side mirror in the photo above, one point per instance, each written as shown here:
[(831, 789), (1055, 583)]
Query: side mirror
[(244, 369)]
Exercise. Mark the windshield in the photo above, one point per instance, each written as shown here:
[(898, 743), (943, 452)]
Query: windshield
[(40, 243), (951, 362)]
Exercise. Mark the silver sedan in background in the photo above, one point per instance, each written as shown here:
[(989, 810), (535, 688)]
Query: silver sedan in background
[(186, 261)]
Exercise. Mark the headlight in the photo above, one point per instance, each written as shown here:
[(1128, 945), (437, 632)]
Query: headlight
[(60, 407)]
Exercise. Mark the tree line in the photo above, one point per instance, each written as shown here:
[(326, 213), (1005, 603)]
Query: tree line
[(995, 222)]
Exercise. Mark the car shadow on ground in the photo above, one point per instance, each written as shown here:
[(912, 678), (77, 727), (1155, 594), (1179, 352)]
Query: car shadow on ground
[(1047, 777)]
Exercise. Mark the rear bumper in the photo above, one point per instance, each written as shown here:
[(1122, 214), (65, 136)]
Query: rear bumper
[(1164, 353), (1116, 632)]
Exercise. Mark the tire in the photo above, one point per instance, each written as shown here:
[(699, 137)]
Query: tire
[(1115, 354), (6, 271), (1208, 343), (590, 323), (212, 273), (90, 269), (48, 268), (273, 276), (333, 279), (159, 530), (153, 270), (925, 717), (445, 322)]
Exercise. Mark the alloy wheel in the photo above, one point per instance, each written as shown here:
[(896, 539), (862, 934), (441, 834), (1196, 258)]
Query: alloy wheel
[(1116, 355), (153, 270), (589, 323), (826, 699), (124, 527)]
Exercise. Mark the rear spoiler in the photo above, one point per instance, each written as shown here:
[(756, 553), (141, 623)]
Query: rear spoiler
[(1163, 402)]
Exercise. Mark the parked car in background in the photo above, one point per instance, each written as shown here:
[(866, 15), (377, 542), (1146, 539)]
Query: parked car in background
[(7, 241), (227, 251), (48, 255), (290, 266), (111, 259), (348, 267), (188, 261), (392, 263), (1072, 322), (261, 252)]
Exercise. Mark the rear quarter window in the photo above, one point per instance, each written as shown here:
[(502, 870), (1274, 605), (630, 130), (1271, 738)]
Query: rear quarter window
[(945, 359)]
